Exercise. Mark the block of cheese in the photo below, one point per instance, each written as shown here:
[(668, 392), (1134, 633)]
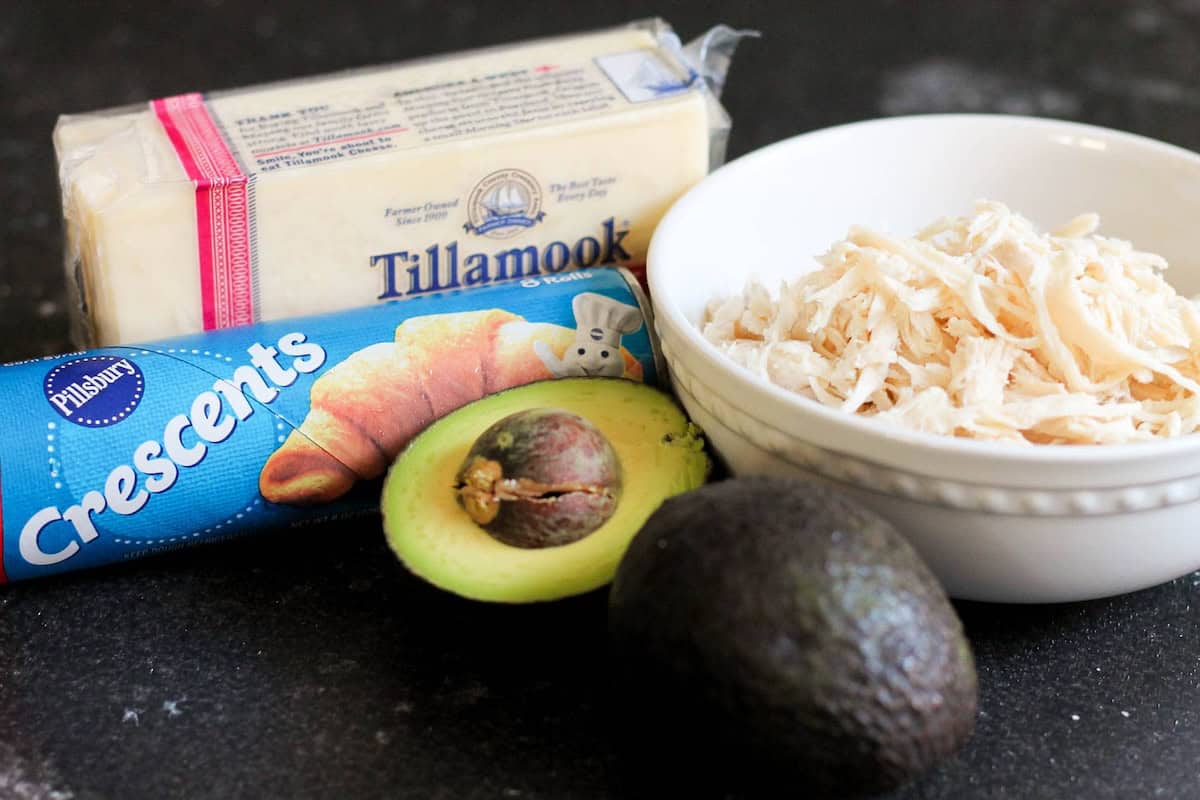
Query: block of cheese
[(208, 211)]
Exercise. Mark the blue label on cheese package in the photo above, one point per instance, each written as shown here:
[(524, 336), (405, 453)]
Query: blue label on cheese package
[(125, 451)]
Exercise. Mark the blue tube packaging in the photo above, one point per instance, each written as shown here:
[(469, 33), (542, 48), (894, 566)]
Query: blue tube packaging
[(121, 452)]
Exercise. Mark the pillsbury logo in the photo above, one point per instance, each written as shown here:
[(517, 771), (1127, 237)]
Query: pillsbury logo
[(96, 391), (503, 204)]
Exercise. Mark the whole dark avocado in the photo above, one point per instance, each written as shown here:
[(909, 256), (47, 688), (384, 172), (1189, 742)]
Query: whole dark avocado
[(778, 622)]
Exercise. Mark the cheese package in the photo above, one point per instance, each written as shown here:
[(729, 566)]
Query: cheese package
[(206, 211), (115, 453)]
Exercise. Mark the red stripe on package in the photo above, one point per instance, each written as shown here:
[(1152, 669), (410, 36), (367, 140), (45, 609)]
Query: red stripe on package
[(222, 210)]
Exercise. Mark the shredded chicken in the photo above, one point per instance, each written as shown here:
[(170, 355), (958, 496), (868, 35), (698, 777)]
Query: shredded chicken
[(981, 327)]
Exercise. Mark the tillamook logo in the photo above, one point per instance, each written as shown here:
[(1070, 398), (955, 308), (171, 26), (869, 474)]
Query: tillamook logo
[(96, 391), (504, 204), (442, 267)]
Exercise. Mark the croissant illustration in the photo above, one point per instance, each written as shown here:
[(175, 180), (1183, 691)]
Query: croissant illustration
[(364, 409)]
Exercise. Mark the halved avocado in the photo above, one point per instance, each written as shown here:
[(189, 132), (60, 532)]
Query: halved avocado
[(661, 454)]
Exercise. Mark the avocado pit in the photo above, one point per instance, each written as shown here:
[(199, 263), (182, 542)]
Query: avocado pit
[(538, 478)]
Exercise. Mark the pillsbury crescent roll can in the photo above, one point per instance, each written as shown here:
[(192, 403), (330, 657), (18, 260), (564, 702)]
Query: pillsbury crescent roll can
[(122, 452)]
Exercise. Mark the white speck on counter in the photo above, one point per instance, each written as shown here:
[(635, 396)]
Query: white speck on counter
[(947, 85), (120, 36), (19, 778), (1125, 714), (265, 26), (172, 707), (1144, 20), (1157, 90), (1075, 717), (132, 715)]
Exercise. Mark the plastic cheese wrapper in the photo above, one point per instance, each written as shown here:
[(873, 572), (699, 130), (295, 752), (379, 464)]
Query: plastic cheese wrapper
[(115, 453), (205, 211)]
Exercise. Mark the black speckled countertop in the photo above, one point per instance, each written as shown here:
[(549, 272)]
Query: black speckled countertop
[(309, 664)]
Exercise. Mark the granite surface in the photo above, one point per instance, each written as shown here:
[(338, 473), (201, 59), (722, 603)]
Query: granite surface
[(308, 664)]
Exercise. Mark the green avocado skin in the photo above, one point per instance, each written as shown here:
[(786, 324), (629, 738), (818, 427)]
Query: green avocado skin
[(779, 620)]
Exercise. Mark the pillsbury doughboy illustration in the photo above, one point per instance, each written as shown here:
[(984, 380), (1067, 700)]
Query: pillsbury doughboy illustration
[(599, 324)]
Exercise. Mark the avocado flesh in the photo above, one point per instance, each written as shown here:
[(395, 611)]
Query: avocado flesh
[(661, 454), (820, 645)]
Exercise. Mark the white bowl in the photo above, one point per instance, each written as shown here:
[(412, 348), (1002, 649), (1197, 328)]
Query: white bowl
[(995, 522)]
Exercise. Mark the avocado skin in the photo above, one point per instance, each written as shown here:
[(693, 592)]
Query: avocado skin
[(778, 622)]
